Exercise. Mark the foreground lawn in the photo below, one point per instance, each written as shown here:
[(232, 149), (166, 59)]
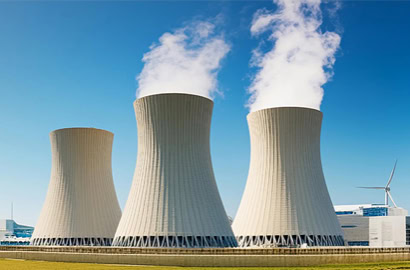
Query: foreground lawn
[(9, 264)]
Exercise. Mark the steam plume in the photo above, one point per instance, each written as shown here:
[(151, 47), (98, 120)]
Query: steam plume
[(185, 61), (293, 71)]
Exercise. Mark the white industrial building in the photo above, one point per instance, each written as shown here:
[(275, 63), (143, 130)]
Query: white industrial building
[(286, 201), (12, 233), (373, 225), (174, 200), (81, 207)]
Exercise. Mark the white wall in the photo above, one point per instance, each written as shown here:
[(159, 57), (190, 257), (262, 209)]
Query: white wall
[(387, 231)]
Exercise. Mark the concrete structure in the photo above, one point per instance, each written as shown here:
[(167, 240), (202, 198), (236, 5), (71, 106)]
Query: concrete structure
[(81, 207), (384, 231), (373, 225), (286, 201), (174, 200), (232, 257)]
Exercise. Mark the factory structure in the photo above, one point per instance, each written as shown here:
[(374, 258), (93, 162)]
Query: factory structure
[(174, 200), (81, 207), (14, 234), (286, 202), (374, 225)]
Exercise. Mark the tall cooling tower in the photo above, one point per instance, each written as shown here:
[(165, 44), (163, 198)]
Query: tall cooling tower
[(286, 201), (81, 207), (174, 200)]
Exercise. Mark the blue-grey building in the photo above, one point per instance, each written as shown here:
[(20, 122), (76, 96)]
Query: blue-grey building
[(12, 233)]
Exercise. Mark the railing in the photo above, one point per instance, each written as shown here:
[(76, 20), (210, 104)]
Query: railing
[(210, 251)]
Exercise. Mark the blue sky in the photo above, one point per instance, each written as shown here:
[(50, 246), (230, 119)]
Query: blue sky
[(70, 64)]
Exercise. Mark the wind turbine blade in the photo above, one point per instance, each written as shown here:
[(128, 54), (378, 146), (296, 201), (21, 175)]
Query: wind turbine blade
[(388, 193), (372, 187), (391, 174)]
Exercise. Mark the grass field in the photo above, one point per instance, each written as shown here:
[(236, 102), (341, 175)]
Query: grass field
[(8, 264)]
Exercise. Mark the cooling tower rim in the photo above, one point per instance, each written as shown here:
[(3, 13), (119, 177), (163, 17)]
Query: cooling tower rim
[(285, 107), (80, 128), (172, 94)]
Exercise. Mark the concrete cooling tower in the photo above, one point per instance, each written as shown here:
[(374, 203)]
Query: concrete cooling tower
[(286, 201), (81, 207), (174, 200)]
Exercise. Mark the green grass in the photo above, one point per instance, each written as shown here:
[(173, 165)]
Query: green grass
[(9, 264)]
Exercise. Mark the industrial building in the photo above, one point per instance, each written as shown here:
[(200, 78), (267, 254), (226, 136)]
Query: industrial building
[(373, 225), (174, 200), (407, 230), (286, 201), (81, 207), (12, 233)]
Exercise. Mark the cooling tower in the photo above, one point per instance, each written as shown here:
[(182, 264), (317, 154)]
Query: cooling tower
[(81, 207), (174, 200), (286, 201)]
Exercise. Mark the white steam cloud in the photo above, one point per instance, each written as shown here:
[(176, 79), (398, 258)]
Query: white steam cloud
[(301, 60), (185, 61)]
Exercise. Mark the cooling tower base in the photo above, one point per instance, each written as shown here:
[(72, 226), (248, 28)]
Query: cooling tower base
[(290, 240), (88, 241), (176, 241)]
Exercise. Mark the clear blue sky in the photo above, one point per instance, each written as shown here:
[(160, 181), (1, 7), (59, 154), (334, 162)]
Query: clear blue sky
[(70, 64)]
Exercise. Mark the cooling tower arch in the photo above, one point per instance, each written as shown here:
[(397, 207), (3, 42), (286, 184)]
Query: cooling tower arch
[(81, 207), (286, 201), (174, 200)]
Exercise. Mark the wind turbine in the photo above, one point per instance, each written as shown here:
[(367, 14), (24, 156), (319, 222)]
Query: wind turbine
[(387, 194)]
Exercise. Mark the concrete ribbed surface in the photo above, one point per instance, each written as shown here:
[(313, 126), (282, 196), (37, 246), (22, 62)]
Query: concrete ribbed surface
[(174, 199), (81, 207), (286, 201)]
